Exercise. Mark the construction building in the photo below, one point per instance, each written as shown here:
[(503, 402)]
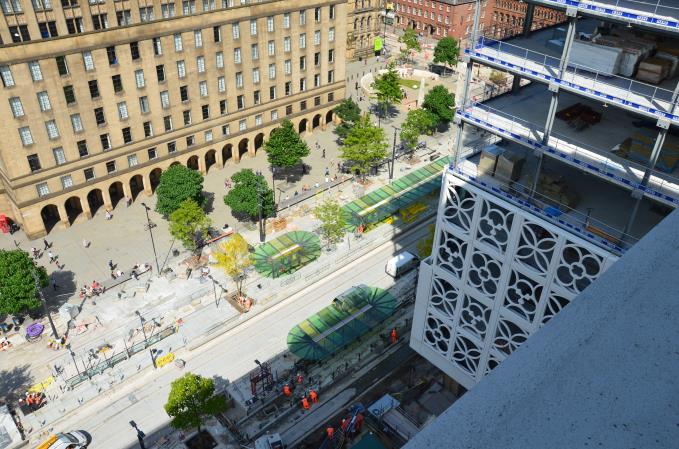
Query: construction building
[(101, 97), (551, 182), (365, 23), (454, 18)]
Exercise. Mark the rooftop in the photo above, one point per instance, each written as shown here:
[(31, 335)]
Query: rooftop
[(601, 374)]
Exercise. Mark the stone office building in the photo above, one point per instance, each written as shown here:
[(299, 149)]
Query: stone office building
[(102, 96)]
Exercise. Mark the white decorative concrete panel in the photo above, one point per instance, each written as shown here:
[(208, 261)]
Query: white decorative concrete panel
[(497, 274)]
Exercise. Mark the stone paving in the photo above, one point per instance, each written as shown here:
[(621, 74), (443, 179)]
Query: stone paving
[(125, 241)]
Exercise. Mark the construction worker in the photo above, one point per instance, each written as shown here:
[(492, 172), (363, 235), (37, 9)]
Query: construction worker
[(359, 422), (344, 424), (394, 336), (314, 396), (305, 403), (330, 432), (286, 390), (299, 378)]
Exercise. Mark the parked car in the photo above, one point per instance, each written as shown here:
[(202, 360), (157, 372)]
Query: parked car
[(75, 439)]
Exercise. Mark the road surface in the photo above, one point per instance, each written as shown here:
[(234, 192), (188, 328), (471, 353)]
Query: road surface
[(229, 356)]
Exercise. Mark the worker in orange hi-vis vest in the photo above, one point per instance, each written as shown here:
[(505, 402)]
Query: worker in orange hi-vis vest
[(286, 390), (305, 403), (314, 396), (344, 424), (394, 336), (330, 432)]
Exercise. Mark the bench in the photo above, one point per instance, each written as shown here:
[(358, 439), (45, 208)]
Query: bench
[(224, 234)]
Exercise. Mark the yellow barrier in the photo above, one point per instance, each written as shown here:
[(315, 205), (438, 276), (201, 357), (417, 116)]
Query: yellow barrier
[(164, 360), (39, 388)]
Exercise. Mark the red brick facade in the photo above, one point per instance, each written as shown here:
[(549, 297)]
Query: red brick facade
[(455, 18)]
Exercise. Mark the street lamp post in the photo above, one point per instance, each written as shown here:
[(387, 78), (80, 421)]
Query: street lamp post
[(140, 435), (142, 320), (273, 188), (44, 304), (393, 155), (260, 206), (150, 226), (70, 351)]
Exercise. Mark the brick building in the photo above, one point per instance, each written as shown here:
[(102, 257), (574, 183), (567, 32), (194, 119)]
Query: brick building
[(455, 18)]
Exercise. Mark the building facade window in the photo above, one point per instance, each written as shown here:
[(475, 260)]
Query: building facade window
[(16, 107), (59, 156), (76, 123), (52, 130), (34, 68), (44, 101)]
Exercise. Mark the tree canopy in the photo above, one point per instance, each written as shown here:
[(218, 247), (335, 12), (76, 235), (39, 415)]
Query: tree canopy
[(417, 122), (365, 145), (233, 257), (388, 88), (447, 51), (243, 198), (441, 103), (191, 398), (189, 224), (177, 184), (17, 285), (349, 113), (333, 220), (424, 246), (285, 147), (409, 39)]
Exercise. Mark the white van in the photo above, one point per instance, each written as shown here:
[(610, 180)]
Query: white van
[(69, 440), (401, 263)]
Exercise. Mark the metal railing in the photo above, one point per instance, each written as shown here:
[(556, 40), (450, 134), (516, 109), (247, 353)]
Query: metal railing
[(641, 96), (550, 209), (657, 8), (572, 150)]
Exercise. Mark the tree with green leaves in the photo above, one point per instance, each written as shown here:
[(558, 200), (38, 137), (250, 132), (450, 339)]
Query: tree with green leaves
[(409, 39), (285, 147), (234, 258), (388, 88), (177, 184), (333, 220), (417, 122), (447, 51), (17, 284), (349, 113), (189, 224), (365, 145), (248, 191), (441, 103), (192, 397)]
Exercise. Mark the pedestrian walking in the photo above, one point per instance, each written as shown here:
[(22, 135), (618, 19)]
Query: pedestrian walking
[(356, 85), (327, 171), (86, 243), (54, 285), (47, 244), (108, 215), (35, 253), (51, 256), (323, 154), (110, 265)]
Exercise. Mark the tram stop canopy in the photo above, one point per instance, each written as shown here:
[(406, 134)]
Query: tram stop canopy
[(350, 315), (388, 200)]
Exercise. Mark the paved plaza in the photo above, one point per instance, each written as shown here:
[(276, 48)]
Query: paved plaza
[(111, 320)]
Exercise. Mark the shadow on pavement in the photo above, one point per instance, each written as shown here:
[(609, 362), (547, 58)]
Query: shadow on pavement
[(13, 383), (66, 288)]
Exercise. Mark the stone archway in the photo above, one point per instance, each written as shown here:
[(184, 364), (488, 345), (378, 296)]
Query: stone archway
[(73, 208), (328, 116), (210, 159), (95, 199), (154, 177), (242, 147), (136, 185), (302, 126), (174, 163), (259, 141), (227, 152), (316, 122), (116, 192), (192, 163), (50, 217)]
